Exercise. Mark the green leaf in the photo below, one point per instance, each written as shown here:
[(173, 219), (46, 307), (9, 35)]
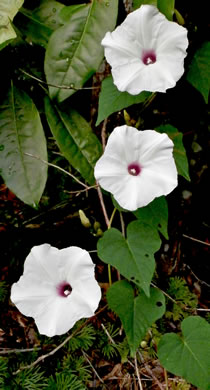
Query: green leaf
[(8, 10), (134, 256), (78, 144), (137, 314), (69, 10), (199, 72), (179, 150), (166, 7), (189, 355), (21, 132), (38, 24), (138, 3), (112, 100), (155, 214), (74, 51)]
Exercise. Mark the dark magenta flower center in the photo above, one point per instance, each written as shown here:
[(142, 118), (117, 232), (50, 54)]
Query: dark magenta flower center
[(134, 169), (64, 289), (149, 57)]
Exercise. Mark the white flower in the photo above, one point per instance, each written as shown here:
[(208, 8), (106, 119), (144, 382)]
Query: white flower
[(146, 52), (57, 288), (137, 166)]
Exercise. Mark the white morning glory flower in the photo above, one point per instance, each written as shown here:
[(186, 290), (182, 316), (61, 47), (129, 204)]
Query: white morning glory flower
[(57, 288), (137, 166), (146, 52)]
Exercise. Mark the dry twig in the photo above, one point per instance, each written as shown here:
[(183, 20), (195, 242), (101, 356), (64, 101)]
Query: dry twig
[(137, 373), (93, 368), (196, 240), (59, 168), (149, 371), (71, 86), (6, 351)]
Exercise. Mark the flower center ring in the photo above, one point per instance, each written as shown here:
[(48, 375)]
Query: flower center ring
[(134, 169)]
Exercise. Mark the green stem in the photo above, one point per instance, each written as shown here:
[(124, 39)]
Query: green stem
[(111, 218), (109, 227), (109, 274), (166, 378)]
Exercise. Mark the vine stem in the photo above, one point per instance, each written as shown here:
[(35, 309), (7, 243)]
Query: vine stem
[(112, 217), (109, 266), (108, 223), (103, 133), (100, 195)]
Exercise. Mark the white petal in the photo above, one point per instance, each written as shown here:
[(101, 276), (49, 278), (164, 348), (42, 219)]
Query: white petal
[(77, 265), (146, 29), (124, 144), (152, 151), (121, 45), (145, 22), (36, 295), (57, 317), (30, 294), (43, 262), (126, 193), (131, 77), (61, 314), (172, 39), (154, 145)]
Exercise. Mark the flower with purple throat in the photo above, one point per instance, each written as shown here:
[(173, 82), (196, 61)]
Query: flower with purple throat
[(57, 288), (146, 52), (137, 166)]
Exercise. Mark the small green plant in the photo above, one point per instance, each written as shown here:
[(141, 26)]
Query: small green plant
[(208, 317), (64, 381), (123, 349), (185, 299), (181, 385), (77, 365), (84, 339), (107, 347), (3, 371), (31, 379)]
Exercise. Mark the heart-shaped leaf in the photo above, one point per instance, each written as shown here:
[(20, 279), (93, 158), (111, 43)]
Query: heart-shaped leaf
[(199, 72), (189, 355), (75, 138), (8, 10), (136, 313), (21, 132), (74, 51), (134, 256), (112, 100), (155, 214), (179, 150)]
